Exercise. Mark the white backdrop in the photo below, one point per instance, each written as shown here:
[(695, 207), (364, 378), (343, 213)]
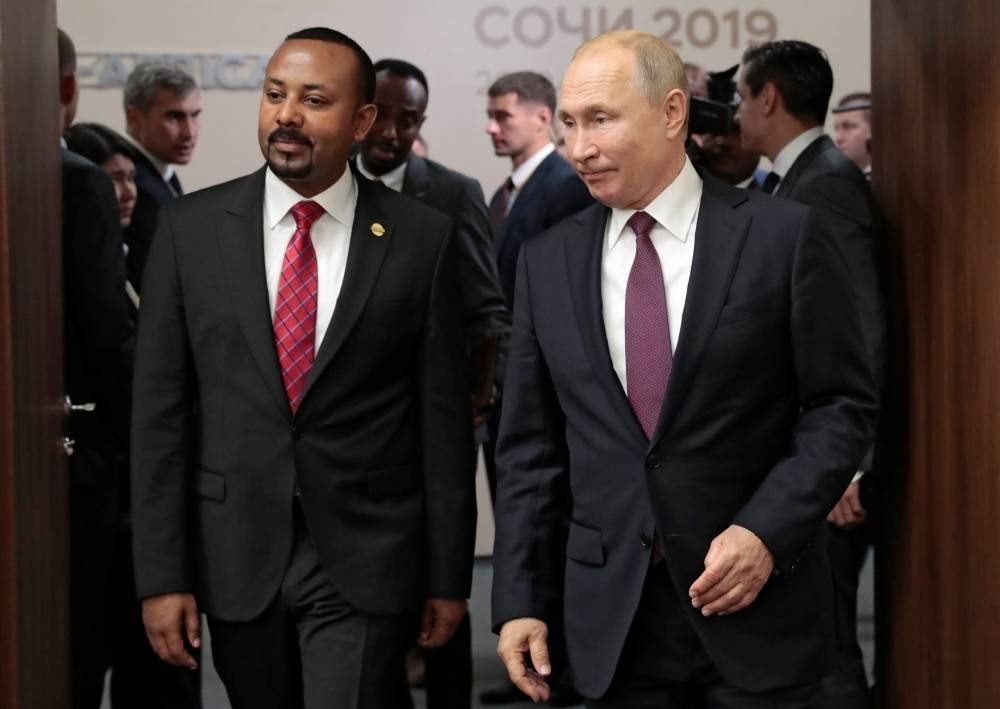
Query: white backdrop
[(462, 45)]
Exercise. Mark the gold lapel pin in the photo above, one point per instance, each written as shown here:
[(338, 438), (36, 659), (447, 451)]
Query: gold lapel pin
[(377, 229)]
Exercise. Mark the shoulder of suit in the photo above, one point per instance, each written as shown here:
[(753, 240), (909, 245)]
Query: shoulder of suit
[(439, 172)]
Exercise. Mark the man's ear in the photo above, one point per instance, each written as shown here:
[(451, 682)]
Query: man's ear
[(67, 89), (770, 98), (675, 110), (363, 121), (545, 116), (131, 119)]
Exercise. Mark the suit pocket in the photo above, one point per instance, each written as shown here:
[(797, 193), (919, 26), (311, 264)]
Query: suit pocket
[(585, 545), (210, 485), (747, 309), (393, 482)]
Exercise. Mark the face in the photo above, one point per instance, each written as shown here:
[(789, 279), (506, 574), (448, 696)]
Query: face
[(311, 113), (401, 103), (169, 129), (726, 158), (625, 149), (517, 129), (122, 172), (751, 115), (851, 131)]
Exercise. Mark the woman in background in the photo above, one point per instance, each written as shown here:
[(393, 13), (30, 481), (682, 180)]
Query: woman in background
[(102, 146)]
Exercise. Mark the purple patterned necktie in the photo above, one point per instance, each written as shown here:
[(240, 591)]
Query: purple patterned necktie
[(648, 356)]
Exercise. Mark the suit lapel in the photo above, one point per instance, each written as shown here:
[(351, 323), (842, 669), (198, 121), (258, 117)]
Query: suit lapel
[(241, 242), (719, 239), (583, 263), (416, 179), (805, 158), (364, 259)]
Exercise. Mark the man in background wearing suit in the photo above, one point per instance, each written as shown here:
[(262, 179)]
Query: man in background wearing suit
[(302, 433), (162, 114), (541, 190), (785, 89), (852, 129), (386, 155), (98, 342), (688, 381)]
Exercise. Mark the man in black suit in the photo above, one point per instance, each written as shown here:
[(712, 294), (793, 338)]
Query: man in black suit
[(302, 431), (386, 154), (541, 190), (688, 380), (785, 89), (162, 114), (98, 341)]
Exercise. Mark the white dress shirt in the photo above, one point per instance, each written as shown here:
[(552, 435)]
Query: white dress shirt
[(330, 234), (676, 213), (523, 172), (165, 169), (784, 160), (392, 179)]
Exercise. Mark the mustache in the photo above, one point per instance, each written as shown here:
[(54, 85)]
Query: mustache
[(288, 135)]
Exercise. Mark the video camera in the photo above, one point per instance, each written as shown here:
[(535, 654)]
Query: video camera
[(714, 115)]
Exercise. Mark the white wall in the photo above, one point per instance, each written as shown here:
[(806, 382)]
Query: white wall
[(460, 44)]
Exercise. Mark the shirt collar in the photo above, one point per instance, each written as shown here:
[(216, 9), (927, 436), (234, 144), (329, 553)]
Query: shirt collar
[(337, 200), (392, 179), (524, 171), (784, 160), (165, 169), (674, 208)]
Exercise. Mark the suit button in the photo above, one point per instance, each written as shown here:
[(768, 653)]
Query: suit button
[(645, 541), (653, 463), (296, 433)]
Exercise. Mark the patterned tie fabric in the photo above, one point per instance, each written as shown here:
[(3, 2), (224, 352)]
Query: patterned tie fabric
[(648, 355), (295, 304), (770, 182)]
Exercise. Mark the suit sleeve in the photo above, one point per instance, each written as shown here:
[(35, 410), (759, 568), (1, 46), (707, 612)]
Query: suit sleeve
[(162, 424), (532, 476), (446, 430), (838, 401)]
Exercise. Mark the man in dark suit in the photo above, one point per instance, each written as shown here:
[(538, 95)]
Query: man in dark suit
[(98, 341), (386, 154), (541, 190), (785, 88), (688, 380), (162, 114), (301, 442)]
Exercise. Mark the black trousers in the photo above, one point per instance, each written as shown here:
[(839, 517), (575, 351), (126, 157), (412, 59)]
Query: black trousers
[(847, 686), (106, 617), (448, 674), (663, 665), (309, 649)]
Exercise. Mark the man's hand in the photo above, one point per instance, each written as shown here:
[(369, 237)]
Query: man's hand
[(848, 513), (440, 618), (736, 567), (517, 637), (168, 618)]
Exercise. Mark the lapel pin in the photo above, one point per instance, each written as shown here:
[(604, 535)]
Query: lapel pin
[(377, 229)]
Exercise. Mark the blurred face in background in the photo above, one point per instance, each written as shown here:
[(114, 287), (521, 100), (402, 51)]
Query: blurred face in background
[(122, 172), (518, 130), (851, 132), (401, 102), (169, 128), (727, 159)]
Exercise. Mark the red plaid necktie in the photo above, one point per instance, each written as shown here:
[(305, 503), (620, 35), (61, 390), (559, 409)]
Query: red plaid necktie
[(295, 305), (648, 355)]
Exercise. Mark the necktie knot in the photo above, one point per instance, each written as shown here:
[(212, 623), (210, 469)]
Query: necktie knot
[(306, 212), (642, 224), (770, 182)]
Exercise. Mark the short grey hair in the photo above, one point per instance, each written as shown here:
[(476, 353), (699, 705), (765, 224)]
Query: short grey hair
[(142, 84), (658, 67)]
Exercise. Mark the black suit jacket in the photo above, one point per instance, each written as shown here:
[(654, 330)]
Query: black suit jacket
[(98, 336), (826, 179), (461, 198), (770, 403), (380, 446), (152, 192), (552, 193)]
